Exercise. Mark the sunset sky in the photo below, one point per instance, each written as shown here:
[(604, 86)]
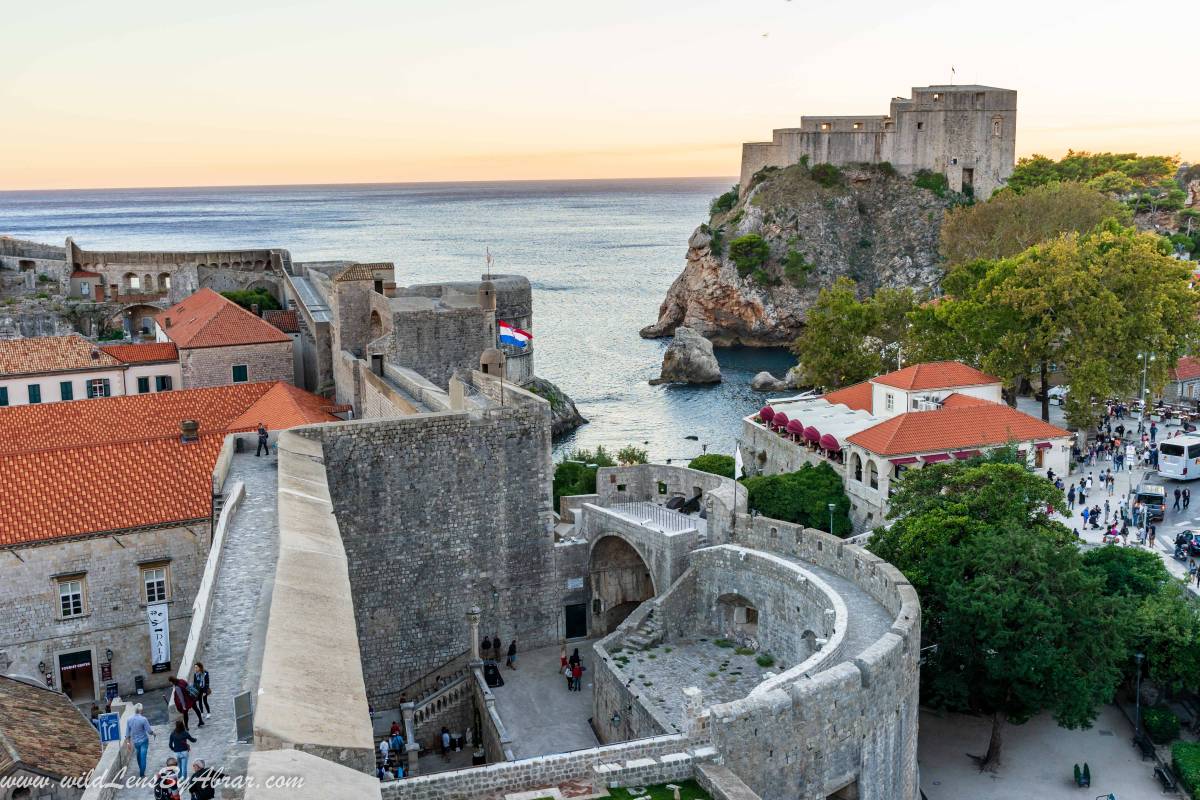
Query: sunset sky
[(231, 92)]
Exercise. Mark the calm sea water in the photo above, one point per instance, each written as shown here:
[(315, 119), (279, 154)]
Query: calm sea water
[(600, 255)]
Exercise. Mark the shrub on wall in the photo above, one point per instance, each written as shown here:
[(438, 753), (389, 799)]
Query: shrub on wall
[(802, 497), (714, 463), (724, 202), (1161, 725), (796, 268), (933, 181), (826, 174), (253, 297), (749, 252), (1185, 757)]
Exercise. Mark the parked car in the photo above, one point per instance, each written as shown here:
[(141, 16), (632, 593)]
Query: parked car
[(1058, 394), (1154, 498)]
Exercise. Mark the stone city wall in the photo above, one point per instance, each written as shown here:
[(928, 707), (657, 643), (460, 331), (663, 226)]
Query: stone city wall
[(436, 343), (31, 630), (617, 713), (542, 771), (213, 366), (658, 483), (423, 548)]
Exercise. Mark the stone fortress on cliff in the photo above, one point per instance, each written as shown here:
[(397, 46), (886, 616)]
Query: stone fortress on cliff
[(967, 133)]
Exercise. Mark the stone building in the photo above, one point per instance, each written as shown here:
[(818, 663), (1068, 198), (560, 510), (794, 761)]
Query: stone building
[(967, 133), (221, 343), (874, 431), (108, 509), (45, 743)]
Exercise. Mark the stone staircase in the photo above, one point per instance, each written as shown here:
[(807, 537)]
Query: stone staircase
[(648, 633)]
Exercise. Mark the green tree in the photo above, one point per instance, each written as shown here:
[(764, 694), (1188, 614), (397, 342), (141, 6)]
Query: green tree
[(631, 454), (802, 497), (1166, 629), (246, 298), (749, 252), (724, 202), (1128, 572), (1020, 625), (714, 463), (1011, 222), (1037, 170), (1112, 182), (576, 474), (846, 340)]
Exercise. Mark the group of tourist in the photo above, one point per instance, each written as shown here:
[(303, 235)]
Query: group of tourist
[(391, 750), (491, 650), (168, 782), (572, 669)]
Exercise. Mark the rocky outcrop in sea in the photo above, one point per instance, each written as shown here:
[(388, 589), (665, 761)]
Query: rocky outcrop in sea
[(872, 225), (689, 359), (564, 416)]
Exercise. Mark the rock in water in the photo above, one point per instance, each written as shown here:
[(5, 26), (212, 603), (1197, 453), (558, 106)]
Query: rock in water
[(564, 416), (766, 382), (689, 359)]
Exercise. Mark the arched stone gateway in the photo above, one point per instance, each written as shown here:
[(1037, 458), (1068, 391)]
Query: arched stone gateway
[(620, 582)]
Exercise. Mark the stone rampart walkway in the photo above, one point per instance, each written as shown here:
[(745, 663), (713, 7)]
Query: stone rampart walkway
[(232, 652)]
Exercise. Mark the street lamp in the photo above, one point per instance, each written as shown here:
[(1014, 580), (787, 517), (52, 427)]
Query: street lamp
[(831, 508), (1145, 358), (1137, 725)]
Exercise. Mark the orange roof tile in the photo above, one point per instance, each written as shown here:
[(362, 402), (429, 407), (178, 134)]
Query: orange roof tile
[(115, 463), (1186, 369), (356, 272), (142, 352), (47, 354), (959, 400), (286, 321), (935, 375), (967, 425), (40, 729), (856, 397), (206, 319)]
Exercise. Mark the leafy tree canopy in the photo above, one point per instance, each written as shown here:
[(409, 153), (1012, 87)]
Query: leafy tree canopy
[(847, 340), (253, 297), (802, 497), (1037, 170), (715, 463)]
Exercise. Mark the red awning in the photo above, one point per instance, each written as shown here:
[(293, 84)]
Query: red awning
[(830, 443), (935, 457), (1043, 445), (966, 454), (899, 462), (795, 427), (812, 434)]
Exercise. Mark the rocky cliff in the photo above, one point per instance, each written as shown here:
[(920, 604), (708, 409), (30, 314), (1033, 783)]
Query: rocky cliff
[(867, 223)]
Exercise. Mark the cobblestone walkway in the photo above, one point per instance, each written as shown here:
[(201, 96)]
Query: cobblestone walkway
[(232, 652)]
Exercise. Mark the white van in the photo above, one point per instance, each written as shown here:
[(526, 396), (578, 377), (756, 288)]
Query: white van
[(1179, 458)]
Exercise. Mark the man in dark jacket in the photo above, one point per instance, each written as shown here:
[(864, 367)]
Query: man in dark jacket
[(262, 441), (203, 779)]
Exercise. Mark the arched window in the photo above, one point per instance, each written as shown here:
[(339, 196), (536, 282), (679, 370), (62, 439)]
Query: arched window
[(856, 463), (132, 282), (872, 474)]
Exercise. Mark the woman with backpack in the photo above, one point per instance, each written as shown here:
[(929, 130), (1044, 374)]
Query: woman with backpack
[(180, 747), (184, 697)]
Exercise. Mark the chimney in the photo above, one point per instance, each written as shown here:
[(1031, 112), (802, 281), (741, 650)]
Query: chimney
[(190, 431), (95, 354), (254, 309), (167, 320)]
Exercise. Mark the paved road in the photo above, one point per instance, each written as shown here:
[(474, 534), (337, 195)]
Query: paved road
[(232, 651)]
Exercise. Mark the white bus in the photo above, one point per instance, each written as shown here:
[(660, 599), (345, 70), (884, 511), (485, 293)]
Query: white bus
[(1179, 458)]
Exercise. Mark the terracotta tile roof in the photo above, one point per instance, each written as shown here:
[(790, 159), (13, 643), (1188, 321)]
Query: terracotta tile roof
[(936, 375), (142, 352), (286, 321), (115, 463), (1186, 369), (206, 319), (959, 400), (46, 354), (857, 397), (356, 272), (968, 425), (40, 729)]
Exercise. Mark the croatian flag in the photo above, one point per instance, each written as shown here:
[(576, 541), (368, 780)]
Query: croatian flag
[(514, 336)]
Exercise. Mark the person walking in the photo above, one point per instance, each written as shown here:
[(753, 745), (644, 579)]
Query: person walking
[(201, 786), (179, 744), (567, 673), (1178, 495), (1187, 497), (577, 676), (485, 648), (1153, 431), (385, 748), (1071, 497), (1150, 536), (181, 693), (138, 733), (1107, 510), (495, 647), (201, 686), (1085, 513), (262, 441), (562, 656), (511, 662), (166, 782), (445, 744)]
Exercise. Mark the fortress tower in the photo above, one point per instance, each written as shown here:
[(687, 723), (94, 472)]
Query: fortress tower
[(968, 133)]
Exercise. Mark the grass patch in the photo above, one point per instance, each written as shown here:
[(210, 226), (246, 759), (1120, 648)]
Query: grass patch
[(724, 643), (712, 674), (765, 660), (744, 651), (688, 790)]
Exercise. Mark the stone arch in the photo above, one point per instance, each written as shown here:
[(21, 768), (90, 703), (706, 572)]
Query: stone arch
[(267, 286), (620, 581), (164, 281), (137, 318), (856, 467), (376, 326), (131, 283), (872, 474), (147, 282), (737, 617), (237, 265), (259, 263), (224, 265)]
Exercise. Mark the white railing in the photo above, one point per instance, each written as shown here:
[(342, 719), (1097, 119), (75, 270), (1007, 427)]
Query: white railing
[(652, 515)]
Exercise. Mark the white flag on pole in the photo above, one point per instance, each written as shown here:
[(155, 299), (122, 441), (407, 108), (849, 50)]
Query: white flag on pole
[(737, 462)]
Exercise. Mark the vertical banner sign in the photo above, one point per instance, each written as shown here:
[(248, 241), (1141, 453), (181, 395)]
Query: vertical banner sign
[(160, 637)]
